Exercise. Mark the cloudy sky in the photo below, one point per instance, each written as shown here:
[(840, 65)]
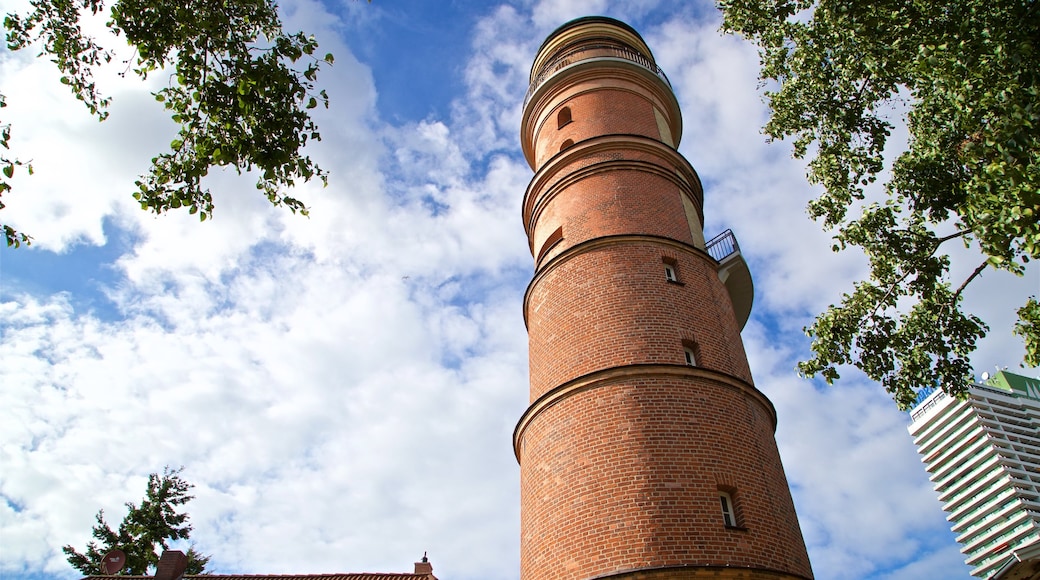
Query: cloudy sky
[(342, 389)]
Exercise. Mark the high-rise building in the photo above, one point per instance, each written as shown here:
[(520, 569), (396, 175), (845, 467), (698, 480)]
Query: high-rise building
[(647, 452), (983, 457)]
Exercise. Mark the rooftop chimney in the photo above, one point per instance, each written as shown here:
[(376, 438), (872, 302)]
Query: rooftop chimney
[(422, 567), (172, 565)]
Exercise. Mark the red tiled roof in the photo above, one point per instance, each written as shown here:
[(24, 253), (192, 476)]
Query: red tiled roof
[(344, 576), (350, 576)]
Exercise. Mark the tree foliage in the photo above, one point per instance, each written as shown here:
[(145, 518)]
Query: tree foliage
[(144, 532), (240, 89), (968, 73), (7, 166)]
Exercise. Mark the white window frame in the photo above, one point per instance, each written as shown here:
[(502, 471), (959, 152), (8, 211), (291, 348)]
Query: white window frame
[(691, 358), (729, 513), (669, 273)]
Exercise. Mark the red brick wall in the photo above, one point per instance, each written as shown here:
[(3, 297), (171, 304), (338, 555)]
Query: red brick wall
[(625, 448), (626, 475), (603, 189), (610, 305), (596, 110), (718, 573)]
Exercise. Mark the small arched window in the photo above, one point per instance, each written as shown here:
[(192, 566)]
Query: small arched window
[(566, 144), (563, 117)]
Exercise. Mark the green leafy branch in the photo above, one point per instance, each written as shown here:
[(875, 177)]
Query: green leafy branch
[(241, 89), (972, 73), (7, 166)]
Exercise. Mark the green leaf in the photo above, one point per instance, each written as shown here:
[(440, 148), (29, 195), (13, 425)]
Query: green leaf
[(967, 73), (233, 92)]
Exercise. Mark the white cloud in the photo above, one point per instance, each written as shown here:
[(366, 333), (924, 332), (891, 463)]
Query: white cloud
[(322, 379), (343, 388)]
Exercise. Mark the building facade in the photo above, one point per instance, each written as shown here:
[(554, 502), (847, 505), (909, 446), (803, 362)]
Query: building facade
[(646, 452), (983, 457)]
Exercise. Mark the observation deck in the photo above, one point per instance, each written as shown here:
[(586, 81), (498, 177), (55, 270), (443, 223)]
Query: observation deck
[(603, 50), (734, 273)]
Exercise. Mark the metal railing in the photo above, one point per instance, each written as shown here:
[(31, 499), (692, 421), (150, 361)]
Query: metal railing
[(589, 51), (722, 246), (917, 413)]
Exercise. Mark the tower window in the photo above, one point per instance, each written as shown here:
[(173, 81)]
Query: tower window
[(729, 513), (563, 117), (566, 144), (671, 269), (553, 239), (690, 352), (691, 359)]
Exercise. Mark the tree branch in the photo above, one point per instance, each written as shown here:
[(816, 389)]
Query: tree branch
[(968, 280), (896, 283)]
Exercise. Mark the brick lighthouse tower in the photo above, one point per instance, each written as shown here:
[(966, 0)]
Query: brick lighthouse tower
[(647, 452)]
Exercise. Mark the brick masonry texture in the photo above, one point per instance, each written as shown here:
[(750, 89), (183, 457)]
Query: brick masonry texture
[(720, 573), (611, 305), (604, 100), (596, 110), (626, 475), (605, 188), (625, 449)]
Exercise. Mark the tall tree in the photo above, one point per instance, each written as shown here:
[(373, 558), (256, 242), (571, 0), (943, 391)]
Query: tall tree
[(968, 74), (144, 532), (240, 90)]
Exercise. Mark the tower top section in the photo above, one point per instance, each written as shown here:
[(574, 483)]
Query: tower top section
[(589, 27), (588, 53)]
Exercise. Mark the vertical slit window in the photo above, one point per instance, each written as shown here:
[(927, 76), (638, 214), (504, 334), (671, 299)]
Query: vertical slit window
[(729, 515), (691, 359), (671, 269), (690, 352)]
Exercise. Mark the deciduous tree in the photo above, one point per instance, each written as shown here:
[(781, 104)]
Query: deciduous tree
[(967, 73), (240, 91), (144, 532)]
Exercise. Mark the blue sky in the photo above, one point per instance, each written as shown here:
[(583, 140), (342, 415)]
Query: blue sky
[(342, 388)]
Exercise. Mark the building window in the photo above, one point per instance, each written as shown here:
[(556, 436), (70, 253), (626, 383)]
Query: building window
[(553, 239), (729, 513), (563, 117), (566, 144), (671, 269), (690, 352), (691, 359)]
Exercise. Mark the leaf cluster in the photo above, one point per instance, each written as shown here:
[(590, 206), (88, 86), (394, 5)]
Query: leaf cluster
[(968, 72), (7, 165), (144, 532), (240, 88)]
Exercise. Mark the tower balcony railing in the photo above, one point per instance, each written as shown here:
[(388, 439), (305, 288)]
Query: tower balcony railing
[(590, 51), (734, 273), (722, 246)]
